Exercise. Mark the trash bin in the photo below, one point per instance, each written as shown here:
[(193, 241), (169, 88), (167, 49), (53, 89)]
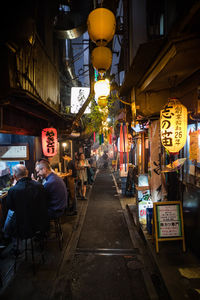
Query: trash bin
[(149, 215)]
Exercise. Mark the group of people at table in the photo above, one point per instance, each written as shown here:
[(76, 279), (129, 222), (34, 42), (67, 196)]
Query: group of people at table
[(32, 202)]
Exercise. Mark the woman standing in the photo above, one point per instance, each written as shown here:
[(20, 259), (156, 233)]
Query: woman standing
[(82, 175)]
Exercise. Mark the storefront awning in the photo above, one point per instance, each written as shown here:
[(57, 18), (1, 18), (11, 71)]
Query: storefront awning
[(179, 59), (145, 55)]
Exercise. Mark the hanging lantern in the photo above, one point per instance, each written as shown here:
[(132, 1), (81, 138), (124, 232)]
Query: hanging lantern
[(102, 88), (102, 101), (101, 25), (49, 141), (101, 59), (173, 125)]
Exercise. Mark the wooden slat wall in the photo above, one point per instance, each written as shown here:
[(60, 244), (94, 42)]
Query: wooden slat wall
[(43, 77)]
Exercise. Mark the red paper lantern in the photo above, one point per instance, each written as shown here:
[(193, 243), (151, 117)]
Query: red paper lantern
[(49, 141)]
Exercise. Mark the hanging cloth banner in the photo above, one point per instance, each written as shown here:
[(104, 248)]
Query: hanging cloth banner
[(194, 140), (156, 183), (121, 146), (99, 139), (124, 145), (110, 139), (94, 137), (102, 138)]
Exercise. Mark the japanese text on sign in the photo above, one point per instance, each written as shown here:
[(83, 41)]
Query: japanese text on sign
[(169, 222), (10, 152)]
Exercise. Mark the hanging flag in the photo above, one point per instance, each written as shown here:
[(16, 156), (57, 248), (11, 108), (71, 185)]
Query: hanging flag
[(99, 139), (121, 146), (124, 144), (94, 137), (110, 139), (102, 138)]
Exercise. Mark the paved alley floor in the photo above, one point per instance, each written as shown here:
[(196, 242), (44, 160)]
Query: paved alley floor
[(103, 257)]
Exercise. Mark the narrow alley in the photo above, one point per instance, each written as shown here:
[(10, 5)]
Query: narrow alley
[(104, 257)]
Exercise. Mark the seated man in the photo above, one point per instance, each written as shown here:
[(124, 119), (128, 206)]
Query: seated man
[(27, 204), (55, 188)]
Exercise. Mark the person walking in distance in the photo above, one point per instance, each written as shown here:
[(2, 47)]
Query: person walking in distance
[(71, 183), (82, 175)]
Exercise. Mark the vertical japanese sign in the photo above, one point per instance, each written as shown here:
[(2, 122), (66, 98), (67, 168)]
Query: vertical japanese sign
[(194, 149), (49, 141), (155, 166), (78, 97), (173, 123)]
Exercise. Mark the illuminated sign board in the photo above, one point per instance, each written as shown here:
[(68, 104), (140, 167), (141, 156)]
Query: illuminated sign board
[(78, 97)]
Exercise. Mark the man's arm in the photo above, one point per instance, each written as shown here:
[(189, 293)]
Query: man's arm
[(10, 200)]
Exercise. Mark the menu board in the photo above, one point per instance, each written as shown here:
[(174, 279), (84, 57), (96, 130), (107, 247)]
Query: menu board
[(168, 222), (19, 151)]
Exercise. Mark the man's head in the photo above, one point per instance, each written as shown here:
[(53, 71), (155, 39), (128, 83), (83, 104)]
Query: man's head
[(43, 168), (19, 171)]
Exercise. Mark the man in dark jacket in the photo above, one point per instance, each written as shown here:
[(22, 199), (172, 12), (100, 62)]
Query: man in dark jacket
[(55, 188), (28, 200)]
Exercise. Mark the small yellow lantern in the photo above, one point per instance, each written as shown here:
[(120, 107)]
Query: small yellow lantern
[(101, 25), (101, 59), (102, 88), (102, 101), (173, 125)]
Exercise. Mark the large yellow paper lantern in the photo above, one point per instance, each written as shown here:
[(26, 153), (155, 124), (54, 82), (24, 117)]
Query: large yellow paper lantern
[(101, 59), (101, 25), (173, 125), (102, 88)]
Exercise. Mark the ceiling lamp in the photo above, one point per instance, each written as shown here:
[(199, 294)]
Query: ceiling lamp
[(101, 59), (102, 88), (173, 125), (101, 25)]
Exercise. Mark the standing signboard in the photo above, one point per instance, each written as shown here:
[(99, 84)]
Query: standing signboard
[(168, 222)]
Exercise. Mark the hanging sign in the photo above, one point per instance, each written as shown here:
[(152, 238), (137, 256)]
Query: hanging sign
[(194, 140), (173, 125), (49, 141), (168, 222)]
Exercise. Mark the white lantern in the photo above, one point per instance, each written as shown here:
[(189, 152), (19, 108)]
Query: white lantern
[(173, 125), (102, 88)]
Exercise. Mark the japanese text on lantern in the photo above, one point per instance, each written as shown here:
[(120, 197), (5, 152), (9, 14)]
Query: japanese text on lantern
[(49, 141), (173, 126), (166, 133)]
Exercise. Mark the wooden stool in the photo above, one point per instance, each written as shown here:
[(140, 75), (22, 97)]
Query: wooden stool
[(57, 230), (29, 246)]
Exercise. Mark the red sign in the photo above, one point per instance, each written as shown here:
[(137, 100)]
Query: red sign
[(49, 141)]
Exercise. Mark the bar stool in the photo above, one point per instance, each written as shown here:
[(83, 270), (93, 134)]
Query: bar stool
[(29, 243), (57, 230)]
